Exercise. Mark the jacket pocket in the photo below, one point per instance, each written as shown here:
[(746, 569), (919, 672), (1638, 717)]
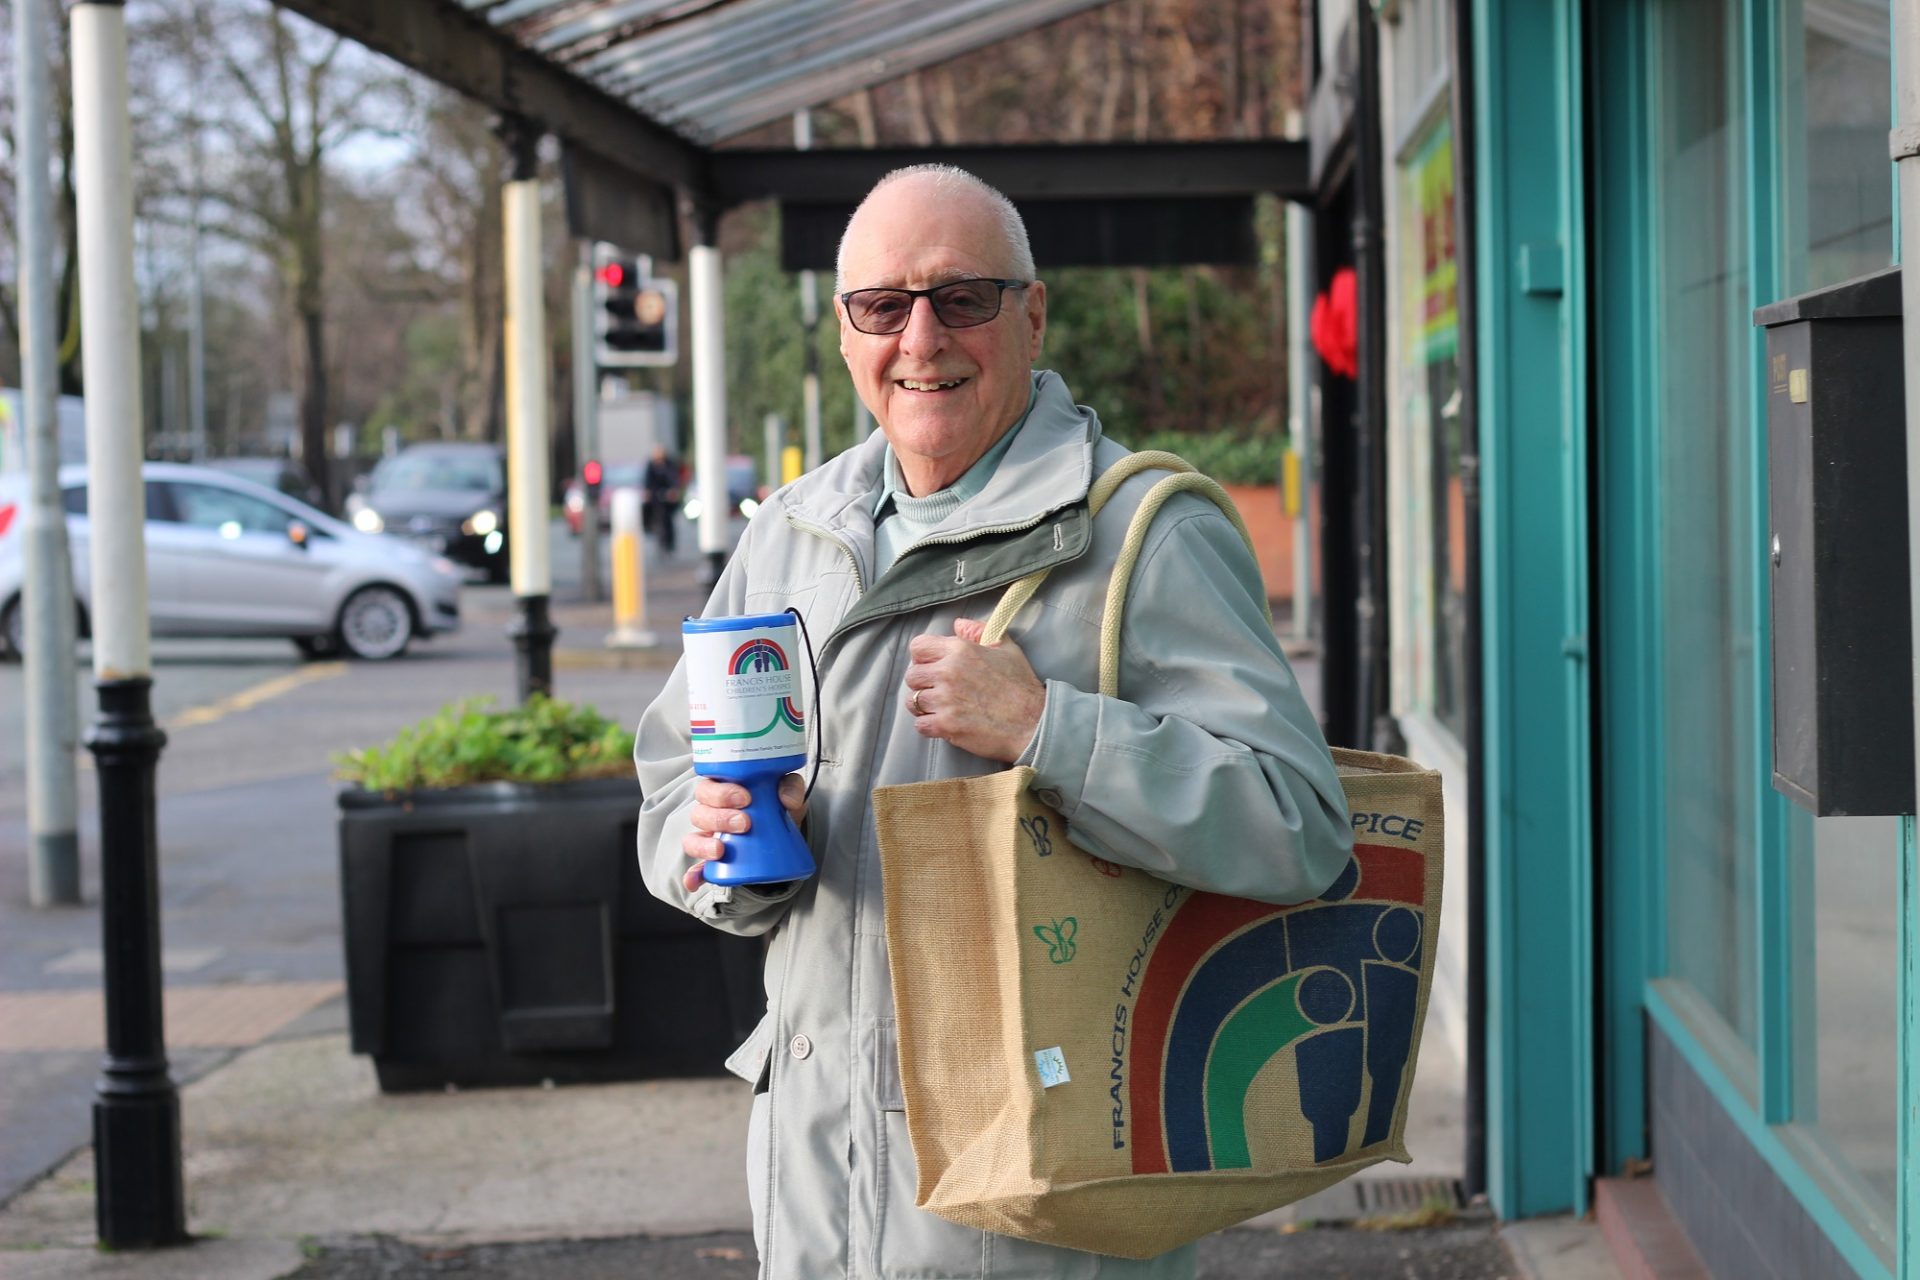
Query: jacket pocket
[(749, 1061)]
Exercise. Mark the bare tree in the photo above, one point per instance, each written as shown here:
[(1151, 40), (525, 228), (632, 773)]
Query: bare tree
[(276, 99)]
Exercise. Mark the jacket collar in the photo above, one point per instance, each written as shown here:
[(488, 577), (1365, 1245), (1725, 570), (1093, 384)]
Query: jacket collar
[(1048, 467)]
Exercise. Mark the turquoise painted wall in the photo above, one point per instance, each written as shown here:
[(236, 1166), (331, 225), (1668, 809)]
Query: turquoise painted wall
[(1531, 287)]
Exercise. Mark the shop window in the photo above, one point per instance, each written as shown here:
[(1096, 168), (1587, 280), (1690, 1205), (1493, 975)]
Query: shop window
[(1835, 110), (1836, 104), (1427, 385), (1705, 428)]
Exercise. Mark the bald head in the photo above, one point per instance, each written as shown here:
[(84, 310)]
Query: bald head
[(933, 186)]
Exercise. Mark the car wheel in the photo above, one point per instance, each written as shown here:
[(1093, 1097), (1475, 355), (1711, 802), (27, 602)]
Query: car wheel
[(375, 624), (314, 648), (13, 628)]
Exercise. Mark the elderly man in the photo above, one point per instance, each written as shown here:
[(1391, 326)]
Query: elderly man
[(1208, 770)]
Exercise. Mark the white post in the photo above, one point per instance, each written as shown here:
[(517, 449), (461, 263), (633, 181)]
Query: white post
[(526, 360), (139, 1191), (47, 621), (110, 343), (709, 393), (775, 443), (528, 526), (629, 574)]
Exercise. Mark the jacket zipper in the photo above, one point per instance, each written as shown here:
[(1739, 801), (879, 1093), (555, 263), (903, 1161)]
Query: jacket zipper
[(821, 531)]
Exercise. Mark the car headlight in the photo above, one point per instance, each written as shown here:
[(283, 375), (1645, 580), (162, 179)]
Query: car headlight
[(367, 520), (748, 506), (692, 509), (482, 523)]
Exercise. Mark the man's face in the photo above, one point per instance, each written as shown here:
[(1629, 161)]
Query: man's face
[(943, 396)]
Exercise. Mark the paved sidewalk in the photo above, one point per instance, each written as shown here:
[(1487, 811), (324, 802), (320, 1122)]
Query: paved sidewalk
[(297, 1166)]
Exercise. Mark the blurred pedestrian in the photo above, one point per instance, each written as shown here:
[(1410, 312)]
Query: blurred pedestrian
[(661, 486)]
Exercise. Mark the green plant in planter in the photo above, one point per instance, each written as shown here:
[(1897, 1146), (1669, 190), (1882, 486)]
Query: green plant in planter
[(470, 742)]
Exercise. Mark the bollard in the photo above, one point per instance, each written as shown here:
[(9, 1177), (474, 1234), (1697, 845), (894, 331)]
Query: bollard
[(629, 574)]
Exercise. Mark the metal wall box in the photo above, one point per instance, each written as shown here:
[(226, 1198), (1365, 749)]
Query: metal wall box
[(1837, 498)]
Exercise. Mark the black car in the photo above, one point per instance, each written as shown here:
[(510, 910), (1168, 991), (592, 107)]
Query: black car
[(450, 498)]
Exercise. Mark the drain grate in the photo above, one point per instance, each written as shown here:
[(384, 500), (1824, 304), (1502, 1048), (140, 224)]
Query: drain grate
[(1406, 1195)]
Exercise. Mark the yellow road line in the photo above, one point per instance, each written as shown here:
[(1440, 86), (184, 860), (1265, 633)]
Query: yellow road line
[(247, 699)]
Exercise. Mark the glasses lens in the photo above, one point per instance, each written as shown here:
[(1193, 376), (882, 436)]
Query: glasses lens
[(879, 310), (965, 303)]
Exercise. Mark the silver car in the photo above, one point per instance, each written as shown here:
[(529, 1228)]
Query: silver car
[(226, 557)]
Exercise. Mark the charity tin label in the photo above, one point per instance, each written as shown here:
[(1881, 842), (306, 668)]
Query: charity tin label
[(743, 695)]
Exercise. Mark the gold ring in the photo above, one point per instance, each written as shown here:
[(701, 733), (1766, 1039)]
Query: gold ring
[(913, 702)]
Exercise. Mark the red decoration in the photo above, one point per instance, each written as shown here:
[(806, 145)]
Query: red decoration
[(1334, 325)]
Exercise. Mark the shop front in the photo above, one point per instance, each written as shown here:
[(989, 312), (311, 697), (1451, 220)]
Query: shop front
[(1686, 972)]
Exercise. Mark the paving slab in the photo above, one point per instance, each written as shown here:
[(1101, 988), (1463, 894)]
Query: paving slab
[(294, 1139)]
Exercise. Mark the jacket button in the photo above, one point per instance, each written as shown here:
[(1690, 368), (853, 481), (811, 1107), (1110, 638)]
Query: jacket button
[(1049, 797), (801, 1047)]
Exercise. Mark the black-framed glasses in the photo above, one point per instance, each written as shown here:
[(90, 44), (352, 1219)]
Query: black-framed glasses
[(961, 304)]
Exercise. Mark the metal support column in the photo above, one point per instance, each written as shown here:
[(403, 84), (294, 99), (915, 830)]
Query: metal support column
[(1299, 409), (810, 323), (1373, 719), (709, 382), (47, 616), (586, 421), (529, 527), (139, 1191), (1905, 151)]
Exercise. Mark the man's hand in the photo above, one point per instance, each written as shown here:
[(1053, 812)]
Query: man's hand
[(720, 807), (982, 698)]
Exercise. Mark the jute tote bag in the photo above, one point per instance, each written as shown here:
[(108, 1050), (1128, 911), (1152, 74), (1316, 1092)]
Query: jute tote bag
[(1096, 1058)]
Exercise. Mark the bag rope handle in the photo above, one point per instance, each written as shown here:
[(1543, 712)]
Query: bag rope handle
[(1184, 480)]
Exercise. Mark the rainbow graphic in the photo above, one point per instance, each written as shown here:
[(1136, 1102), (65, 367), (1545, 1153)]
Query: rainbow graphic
[(1231, 984), (756, 656)]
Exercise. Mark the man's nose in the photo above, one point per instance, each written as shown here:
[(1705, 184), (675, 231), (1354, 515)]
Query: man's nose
[(924, 333)]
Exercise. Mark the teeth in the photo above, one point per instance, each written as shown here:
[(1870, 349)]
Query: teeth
[(912, 384)]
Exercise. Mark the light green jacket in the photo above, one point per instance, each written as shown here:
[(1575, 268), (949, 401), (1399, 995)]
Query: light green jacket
[(1208, 770)]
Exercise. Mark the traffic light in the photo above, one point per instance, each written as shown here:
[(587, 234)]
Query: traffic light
[(635, 316), (591, 474)]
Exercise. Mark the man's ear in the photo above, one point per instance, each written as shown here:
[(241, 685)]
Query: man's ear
[(1036, 317)]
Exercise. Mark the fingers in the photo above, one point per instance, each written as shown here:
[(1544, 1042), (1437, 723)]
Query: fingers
[(969, 629), (719, 794), (702, 849), (793, 795), (930, 648), (715, 821)]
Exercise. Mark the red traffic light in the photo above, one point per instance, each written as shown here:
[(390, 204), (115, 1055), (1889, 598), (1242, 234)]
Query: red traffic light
[(613, 274), (591, 472)]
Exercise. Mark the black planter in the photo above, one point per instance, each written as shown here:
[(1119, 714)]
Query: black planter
[(500, 935)]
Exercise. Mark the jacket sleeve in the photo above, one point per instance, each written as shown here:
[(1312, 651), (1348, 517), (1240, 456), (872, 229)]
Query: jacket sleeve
[(663, 758), (1209, 769)]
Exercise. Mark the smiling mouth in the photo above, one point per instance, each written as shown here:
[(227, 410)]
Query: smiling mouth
[(929, 385)]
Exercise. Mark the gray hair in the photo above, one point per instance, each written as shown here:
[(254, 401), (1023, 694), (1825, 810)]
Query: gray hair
[(950, 180)]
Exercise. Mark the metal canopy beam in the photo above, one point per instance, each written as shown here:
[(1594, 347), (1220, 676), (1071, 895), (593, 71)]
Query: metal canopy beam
[(460, 51), (1130, 232), (1110, 171)]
